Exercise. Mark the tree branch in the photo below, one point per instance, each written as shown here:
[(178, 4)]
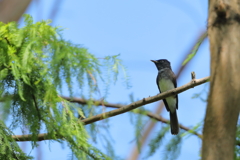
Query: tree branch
[(134, 105), (112, 105), (44, 136), (95, 103), (144, 101)]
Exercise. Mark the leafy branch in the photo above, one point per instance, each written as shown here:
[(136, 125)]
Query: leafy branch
[(35, 63)]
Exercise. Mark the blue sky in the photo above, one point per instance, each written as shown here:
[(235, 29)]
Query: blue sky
[(138, 30)]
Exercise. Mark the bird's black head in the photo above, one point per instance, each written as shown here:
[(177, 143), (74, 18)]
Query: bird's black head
[(162, 63)]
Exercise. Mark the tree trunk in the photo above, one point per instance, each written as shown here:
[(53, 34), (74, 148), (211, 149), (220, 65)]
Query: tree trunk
[(219, 131), (12, 10)]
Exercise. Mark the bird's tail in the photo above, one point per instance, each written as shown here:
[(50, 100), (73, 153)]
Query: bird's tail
[(174, 123)]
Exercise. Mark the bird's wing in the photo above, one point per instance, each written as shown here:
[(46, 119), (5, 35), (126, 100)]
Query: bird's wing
[(175, 85)]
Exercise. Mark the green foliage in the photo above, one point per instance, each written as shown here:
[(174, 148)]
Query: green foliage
[(196, 128), (117, 65), (203, 94), (172, 148), (35, 63), (157, 140), (195, 49), (9, 149), (140, 122)]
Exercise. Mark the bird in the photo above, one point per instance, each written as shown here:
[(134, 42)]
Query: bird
[(166, 80)]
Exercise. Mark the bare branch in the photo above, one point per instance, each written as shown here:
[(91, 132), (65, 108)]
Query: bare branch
[(95, 103), (111, 105), (144, 101), (134, 105)]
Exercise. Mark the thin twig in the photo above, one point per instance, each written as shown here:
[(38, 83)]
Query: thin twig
[(145, 101)]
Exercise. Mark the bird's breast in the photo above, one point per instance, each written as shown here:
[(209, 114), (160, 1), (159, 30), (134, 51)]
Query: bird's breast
[(165, 85)]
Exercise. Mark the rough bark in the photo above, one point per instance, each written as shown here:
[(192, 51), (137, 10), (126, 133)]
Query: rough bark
[(224, 98)]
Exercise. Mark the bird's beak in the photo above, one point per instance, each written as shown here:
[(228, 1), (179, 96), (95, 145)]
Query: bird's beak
[(153, 61)]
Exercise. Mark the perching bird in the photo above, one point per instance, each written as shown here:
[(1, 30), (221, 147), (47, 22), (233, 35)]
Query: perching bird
[(166, 80)]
